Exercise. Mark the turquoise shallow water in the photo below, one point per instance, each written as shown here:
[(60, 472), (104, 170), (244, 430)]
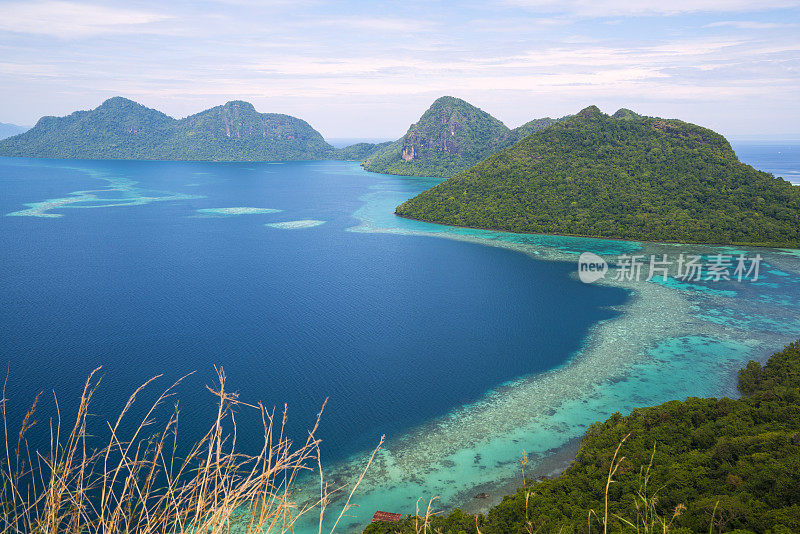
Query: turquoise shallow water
[(674, 340), (670, 340)]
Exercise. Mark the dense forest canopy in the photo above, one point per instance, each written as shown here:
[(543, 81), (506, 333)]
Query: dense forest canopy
[(360, 151), (725, 464), (624, 176), (122, 129)]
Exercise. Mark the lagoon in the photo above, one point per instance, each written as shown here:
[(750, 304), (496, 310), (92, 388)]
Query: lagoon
[(465, 347), (128, 266)]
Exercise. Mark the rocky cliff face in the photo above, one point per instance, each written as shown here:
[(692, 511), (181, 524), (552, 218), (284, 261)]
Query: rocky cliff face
[(451, 136), (240, 120), (432, 139), (453, 127)]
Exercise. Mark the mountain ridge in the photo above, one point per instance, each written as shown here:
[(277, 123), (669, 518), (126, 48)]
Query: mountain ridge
[(630, 177), (120, 128), (9, 130), (450, 136)]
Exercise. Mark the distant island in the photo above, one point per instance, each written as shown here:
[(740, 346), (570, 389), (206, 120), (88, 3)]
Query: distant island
[(624, 176), (451, 136), (8, 130), (123, 129)]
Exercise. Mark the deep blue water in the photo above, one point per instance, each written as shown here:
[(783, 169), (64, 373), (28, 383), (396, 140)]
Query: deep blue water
[(394, 329)]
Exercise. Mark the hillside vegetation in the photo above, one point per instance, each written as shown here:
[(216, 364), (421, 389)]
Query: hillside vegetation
[(236, 131), (732, 465), (451, 136), (122, 129), (624, 176), (359, 151)]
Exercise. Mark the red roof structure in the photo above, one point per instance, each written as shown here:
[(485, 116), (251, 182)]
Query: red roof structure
[(385, 516)]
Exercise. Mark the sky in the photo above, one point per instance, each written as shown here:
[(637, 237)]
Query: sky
[(369, 69)]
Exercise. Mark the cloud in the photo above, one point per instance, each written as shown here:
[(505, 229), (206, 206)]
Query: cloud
[(749, 25), (703, 68), (71, 19), (375, 24), (609, 8), (516, 25), (28, 69), (309, 52)]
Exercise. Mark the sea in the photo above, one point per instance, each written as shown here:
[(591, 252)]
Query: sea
[(465, 348)]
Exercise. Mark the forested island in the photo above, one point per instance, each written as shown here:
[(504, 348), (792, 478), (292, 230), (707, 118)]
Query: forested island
[(123, 129), (451, 136), (699, 465), (624, 176)]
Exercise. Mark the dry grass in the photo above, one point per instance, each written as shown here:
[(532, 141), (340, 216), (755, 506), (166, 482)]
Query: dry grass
[(648, 520), (426, 520), (612, 470), (139, 484)]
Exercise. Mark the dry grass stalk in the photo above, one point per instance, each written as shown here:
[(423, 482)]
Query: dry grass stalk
[(139, 483), (648, 520), (426, 520), (612, 470)]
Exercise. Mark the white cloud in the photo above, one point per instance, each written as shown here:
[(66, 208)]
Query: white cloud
[(283, 51), (71, 19), (28, 69), (375, 24), (601, 8), (672, 69), (749, 25), (516, 25)]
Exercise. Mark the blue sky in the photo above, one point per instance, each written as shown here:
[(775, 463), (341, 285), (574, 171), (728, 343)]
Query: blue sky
[(369, 69)]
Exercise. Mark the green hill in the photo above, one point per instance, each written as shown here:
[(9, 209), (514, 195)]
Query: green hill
[(119, 128), (236, 131), (451, 136), (626, 114), (359, 151), (720, 463), (629, 177), (532, 127), (123, 129)]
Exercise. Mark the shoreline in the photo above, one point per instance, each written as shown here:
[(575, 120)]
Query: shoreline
[(614, 371), (554, 462), (772, 246)]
